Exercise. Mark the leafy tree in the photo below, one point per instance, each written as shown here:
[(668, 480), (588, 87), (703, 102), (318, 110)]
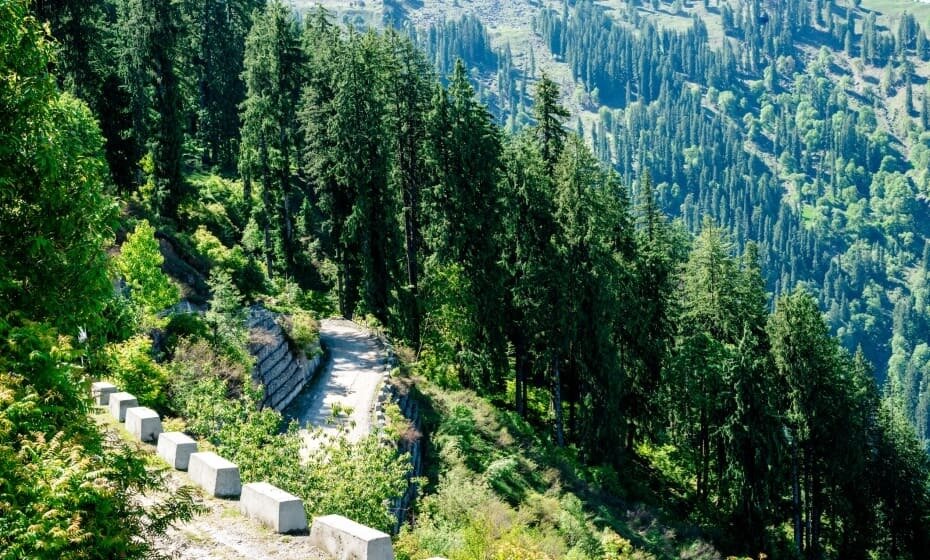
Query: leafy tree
[(65, 491), (132, 367), (140, 263)]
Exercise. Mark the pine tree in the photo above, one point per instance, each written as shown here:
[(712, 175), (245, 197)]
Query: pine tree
[(149, 36), (528, 256), (270, 139), (550, 116), (806, 358), (463, 225), (409, 96), (168, 138), (216, 32)]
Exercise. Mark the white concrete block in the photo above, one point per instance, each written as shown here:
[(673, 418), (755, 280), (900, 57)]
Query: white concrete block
[(119, 403), (143, 422), (101, 391), (176, 449), (344, 539), (282, 512), (215, 474)]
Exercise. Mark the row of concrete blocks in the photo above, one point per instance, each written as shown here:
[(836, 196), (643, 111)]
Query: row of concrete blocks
[(279, 510), (338, 536)]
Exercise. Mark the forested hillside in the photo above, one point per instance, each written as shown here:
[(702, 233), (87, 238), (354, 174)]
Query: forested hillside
[(611, 303), (801, 126)]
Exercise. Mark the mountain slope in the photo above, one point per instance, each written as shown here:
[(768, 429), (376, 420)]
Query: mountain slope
[(798, 125)]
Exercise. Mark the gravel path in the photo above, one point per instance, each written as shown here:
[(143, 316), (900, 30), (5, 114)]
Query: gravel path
[(348, 384), (223, 533)]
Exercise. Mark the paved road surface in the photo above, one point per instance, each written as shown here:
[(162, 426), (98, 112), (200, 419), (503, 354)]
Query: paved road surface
[(350, 380)]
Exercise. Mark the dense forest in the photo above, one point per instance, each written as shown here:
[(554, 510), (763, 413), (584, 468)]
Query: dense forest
[(679, 359), (803, 130)]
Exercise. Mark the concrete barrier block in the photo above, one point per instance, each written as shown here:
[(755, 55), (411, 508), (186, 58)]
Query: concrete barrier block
[(119, 403), (215, 474), (344, 539), (176, 449), (101, 391), (282, 512), (143, 422)]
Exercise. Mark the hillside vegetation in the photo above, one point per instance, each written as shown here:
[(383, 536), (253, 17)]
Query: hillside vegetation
[(617, 333), (800, 126)]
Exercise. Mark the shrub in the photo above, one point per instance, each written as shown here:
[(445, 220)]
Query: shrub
[(64, 491), (217, 204), (503, 476), (302, 330), (356, 479), (226, 316), (184, 326), (242, 269), (195, 360), (131, 367)]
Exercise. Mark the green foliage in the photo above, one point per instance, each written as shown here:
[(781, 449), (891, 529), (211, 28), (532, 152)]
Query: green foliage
[(226, 316), (66, 491), (139, 262), (501, 491), (268, 151), (243, 269), (303, 330), (190, 326), (446, 358), (526, 265), (132, 368), (148, 37), (217, 204), (52, 166), (356, 478)]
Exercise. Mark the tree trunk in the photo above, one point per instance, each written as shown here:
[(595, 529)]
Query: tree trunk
[(557, 403), (520, 372), (808, 505), (796, 499), (815, 521), (703, 476), (269, 260)]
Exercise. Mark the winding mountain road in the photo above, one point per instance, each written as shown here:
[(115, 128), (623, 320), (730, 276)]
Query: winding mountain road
[(348, 385)]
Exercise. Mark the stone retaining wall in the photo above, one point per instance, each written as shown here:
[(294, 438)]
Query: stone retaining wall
[(278, 367), (402, 394)]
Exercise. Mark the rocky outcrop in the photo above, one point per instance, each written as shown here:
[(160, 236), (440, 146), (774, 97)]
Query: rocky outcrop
[(281, 369)]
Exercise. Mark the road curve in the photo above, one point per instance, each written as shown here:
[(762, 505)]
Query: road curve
[(348, 383)]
